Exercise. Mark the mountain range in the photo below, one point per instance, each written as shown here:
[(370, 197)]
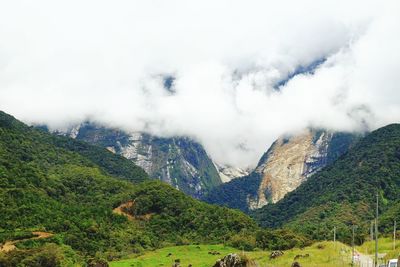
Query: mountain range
[(178, 161), (90, 200)]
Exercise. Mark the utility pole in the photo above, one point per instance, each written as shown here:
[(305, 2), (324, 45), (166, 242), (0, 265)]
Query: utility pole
[(352, 247), (372, 230), (334, 235), (394, 235), (376, 230)]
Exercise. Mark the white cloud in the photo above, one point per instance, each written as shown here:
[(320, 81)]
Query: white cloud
[(64, 62)]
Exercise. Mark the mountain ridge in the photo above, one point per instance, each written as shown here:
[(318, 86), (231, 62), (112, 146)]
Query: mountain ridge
[(179, 161), (343, 193), (289, 161)]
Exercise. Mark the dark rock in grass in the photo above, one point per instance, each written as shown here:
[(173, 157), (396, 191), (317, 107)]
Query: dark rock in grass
[(301, 256), (296, 264), (97, 263), (231, 260), (177, 263), (275, 254)]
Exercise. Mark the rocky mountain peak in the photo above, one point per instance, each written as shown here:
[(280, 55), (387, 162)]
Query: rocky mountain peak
[(292, 159), (288, 163)]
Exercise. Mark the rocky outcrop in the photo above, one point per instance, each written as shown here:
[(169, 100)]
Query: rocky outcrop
[(228, 173), (179, 161), (289, 162), (231, 260), (292, 159)]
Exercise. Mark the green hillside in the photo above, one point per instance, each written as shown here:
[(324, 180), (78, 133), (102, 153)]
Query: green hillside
[(235, 193), (343, 193), (68, 188)]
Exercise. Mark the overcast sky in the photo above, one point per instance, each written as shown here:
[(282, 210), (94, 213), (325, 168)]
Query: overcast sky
[(244, 72)]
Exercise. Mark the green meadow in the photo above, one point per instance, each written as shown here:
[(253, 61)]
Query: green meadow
[(323, 254)]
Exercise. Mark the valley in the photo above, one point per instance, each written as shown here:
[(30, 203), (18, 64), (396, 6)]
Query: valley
[(175, 133), (102, 207)]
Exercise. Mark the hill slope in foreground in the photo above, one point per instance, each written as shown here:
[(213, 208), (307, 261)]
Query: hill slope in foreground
[(69, 189), (343, 194)]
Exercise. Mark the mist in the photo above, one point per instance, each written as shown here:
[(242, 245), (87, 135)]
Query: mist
[(233, 75)]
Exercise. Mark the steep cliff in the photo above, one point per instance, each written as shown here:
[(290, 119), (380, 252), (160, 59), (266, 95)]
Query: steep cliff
[(344, 194), (286, 165), (179, 161)]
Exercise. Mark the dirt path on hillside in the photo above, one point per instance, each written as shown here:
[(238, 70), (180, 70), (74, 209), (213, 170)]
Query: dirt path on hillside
[(120, 210), (10, 245)]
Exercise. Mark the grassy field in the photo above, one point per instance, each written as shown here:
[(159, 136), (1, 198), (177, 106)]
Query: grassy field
[(385, 246), (330, 255)]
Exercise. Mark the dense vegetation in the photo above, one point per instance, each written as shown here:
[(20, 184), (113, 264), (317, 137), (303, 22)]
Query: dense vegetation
[(343, 194), (69, 188), (235, 193), (178, 217)]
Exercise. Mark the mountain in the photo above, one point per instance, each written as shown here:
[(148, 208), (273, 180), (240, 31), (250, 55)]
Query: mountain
[(76, 196), (178, 161), (227, 173), (289, 162), (343, 193)]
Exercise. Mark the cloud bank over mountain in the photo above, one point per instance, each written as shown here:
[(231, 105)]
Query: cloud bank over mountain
[(234, 75)]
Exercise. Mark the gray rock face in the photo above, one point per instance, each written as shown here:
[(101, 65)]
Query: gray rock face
[(179, 161), (291, 160), (228, 173)]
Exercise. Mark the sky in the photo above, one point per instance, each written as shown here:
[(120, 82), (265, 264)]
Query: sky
[(233, 75)]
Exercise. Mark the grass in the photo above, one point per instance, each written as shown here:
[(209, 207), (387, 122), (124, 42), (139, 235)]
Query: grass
[(190, 254), (385, 246), (330, 255)]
